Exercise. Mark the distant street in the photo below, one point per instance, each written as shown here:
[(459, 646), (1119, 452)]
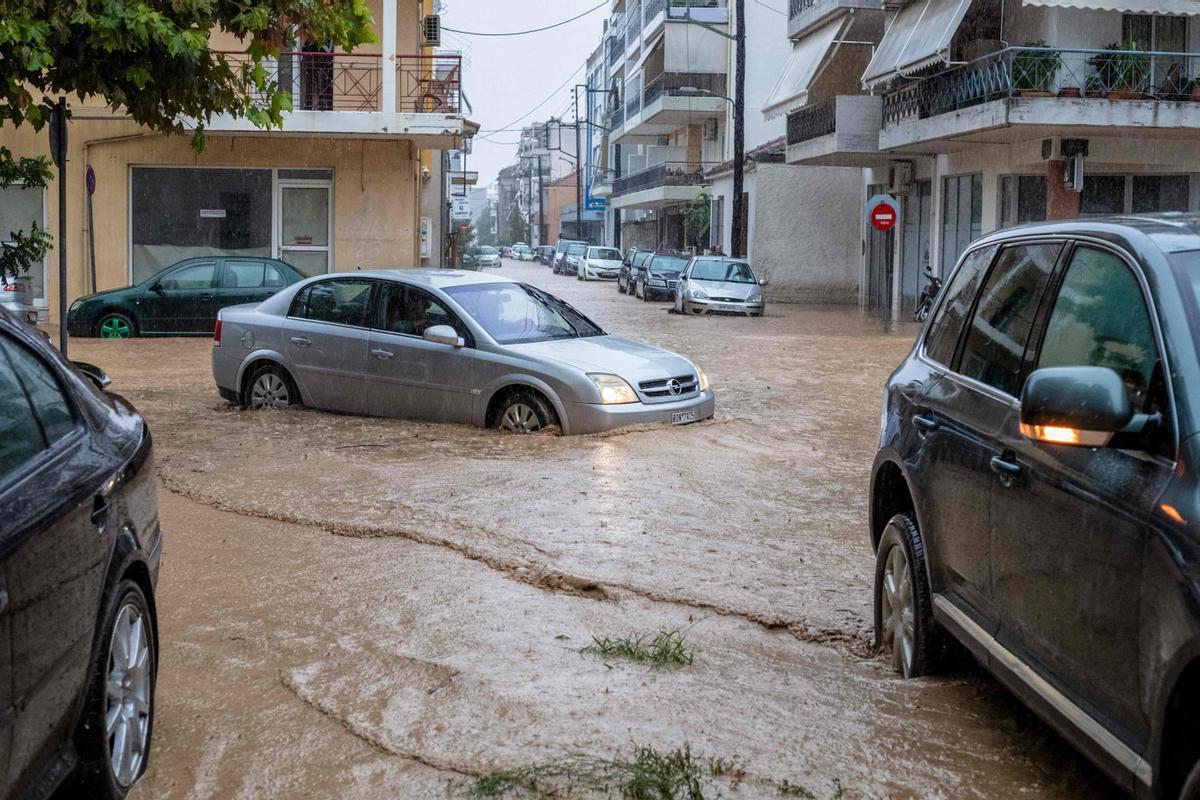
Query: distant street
[(373, 608)]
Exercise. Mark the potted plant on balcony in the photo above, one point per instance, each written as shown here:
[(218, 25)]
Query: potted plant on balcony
[(1034, 71), (1122, 71)]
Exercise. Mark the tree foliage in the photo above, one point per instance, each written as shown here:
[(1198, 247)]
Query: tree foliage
[(696, 221)]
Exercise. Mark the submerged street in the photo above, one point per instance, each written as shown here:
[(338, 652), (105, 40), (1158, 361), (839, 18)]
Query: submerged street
[(372, 608)]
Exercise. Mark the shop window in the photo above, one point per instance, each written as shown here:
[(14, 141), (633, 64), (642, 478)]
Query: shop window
[(185, 212), (20, 208), (1154, 193), (1103, 194), (962, 216), (1022, 199)]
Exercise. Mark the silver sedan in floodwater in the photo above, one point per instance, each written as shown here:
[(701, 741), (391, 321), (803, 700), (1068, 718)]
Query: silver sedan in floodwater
[(719, 285), (448, 346)]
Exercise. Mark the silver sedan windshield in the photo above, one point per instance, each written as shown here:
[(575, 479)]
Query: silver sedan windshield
[(515, 313), (727, 271)]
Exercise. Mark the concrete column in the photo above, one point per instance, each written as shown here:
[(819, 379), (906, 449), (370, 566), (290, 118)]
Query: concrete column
[(389, 64), (1061, 202)]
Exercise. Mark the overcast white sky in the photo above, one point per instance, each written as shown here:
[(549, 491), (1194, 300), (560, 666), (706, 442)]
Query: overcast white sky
[(507, 76)]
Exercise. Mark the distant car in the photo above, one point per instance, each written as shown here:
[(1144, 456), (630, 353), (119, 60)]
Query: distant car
[(599, 263), (658, 276), (448, 346), (545, 255), (560, 253), (573, 258), (630, 267), (79, 557), (181, 300), (522, 252), (16, 297), (488, 257), (506, 252), (719, 285)]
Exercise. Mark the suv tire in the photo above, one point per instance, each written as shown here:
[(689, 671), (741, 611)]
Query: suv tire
[(1191, 787), (904, 623)]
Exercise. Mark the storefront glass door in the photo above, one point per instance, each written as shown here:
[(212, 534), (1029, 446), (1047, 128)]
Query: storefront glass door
[(917, 211), (304, 225)]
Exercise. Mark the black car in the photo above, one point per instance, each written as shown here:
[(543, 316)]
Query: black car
[(560, 254), (657, 276), (545, 255), (630, 265), (79, 556), (1036, 493), (181, 300)]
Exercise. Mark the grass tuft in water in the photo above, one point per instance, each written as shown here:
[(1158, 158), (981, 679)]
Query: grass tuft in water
[(665, 649)]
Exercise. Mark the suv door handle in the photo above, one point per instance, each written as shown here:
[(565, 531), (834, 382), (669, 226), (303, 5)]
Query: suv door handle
[(925, 424), (1006, 469), (301, 340), (100, 509), (382, 355)]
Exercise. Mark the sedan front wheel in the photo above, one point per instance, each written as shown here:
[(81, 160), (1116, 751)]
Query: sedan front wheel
[(524, 412)]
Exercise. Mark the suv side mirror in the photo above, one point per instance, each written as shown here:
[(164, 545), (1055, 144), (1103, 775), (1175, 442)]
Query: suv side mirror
[(443, 334), (1082, 406)]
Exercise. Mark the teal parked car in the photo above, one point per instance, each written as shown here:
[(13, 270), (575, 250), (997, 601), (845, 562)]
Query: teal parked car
[(182, 300)]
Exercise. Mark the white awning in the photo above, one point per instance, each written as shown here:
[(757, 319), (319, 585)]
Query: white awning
[(918, 36), (1176, 7), (803, 66)]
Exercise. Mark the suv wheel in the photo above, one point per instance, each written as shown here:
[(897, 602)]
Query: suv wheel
[(1191, 787), (903, 605), (118, 718)]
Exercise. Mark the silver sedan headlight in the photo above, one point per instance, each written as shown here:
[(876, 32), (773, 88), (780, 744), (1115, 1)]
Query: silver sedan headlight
[(755, 298), (698, 294), (613, 389), (703, 379)]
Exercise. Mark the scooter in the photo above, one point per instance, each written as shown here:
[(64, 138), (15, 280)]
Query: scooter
[(928, 295)]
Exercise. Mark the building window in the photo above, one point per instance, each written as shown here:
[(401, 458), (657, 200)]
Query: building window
[(717, 229), (180, 213), (20, 208), (1136, 194), (962, 216), (1022, 199), (1160, 34)]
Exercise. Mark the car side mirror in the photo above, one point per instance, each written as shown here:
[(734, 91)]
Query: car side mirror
[(156, 287), (762, 281), (444, 334), (1083, 406), (93, 373)]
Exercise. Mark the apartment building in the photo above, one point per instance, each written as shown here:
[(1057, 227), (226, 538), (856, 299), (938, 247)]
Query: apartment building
[(545, 153), (978, 114), (339, 187)]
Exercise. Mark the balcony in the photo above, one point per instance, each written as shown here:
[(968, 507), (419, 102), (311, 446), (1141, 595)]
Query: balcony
[(842, 131), (805, 15), (666, 184), (616, 118), (672, 99), (1077, 91), (602, 182), (347, 94)]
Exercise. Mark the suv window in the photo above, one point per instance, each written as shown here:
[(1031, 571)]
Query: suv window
[(995, 346), (947, 324), (341, 301), (1100, 319), (36, 412)]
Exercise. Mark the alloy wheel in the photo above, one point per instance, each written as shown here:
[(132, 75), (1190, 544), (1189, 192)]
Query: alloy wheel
[(127, 696), (269, 391), (520, 418), (115, 328), (897, 610)]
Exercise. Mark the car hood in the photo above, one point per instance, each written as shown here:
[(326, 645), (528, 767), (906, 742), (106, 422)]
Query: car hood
[(739, 291), (107, 293), (633, 361)]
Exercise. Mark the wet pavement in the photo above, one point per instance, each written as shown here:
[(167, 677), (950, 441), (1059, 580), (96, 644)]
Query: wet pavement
[(375, 608)]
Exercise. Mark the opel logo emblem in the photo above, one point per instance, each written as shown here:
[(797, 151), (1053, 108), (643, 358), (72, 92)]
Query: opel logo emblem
[(674, 387)]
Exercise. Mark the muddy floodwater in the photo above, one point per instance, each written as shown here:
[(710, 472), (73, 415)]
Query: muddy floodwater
[(369, 608)]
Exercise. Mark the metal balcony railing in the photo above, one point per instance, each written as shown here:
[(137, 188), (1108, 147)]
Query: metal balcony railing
[(652, 9), (812, 121), (429, 84), (633, 25), (681, 84), (633, 103), (670, 173), (1044, 71), (616, 117), (679, 9), (798, 7)]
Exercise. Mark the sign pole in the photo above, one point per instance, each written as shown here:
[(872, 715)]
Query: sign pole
[(58, 151), (90, 180)]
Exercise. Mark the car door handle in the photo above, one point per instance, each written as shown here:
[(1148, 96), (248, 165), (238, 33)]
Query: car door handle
[(925, 424), (1006, 469), (301, 340), (206, 297), (382, 355), (100, 509)]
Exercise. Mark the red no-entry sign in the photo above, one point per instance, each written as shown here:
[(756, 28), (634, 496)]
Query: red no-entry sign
[(883, 212)]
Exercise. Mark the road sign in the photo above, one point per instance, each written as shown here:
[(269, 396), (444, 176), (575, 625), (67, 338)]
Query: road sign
[(90, 179), (460, 208), (883, 212)]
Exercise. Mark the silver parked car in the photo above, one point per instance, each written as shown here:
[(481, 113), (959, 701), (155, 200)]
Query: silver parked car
[(16, 297), (488, 257), (599, 263), (449, 346), (719, 285)]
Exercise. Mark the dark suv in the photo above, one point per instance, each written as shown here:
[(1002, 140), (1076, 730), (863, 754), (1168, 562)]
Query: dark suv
[(658, 275), (79, 555), (1036, 494)]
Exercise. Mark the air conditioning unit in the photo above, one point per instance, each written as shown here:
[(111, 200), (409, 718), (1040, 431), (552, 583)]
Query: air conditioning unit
[(710, 130), (901, 177), (431, 30)]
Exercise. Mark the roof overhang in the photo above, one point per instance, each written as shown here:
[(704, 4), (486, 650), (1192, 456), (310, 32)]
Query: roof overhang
[(809, 55)]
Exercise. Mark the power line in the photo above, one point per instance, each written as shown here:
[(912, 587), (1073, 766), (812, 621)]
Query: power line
[(534, 30), (549, 97)]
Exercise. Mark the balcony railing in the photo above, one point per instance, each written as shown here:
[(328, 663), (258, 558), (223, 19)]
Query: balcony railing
[(670, 173), (633, 25), (354, 82), (1044, 72), (701, 9), (812, 121), (651, 9), (798, 7), (616, 117), (633, 103), (679, 84)]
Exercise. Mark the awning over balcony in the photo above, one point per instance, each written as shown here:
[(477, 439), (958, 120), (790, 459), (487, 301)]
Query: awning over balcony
[(1126, 6), (918, 36), (808, 55)]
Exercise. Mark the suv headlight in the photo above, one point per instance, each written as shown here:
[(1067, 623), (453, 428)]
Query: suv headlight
[(703, 379), (613, 389), (698, 294)]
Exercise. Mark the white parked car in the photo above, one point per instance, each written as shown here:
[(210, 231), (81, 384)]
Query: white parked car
[(600, 263)]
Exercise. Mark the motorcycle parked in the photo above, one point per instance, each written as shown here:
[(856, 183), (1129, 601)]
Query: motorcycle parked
[(928, 295)]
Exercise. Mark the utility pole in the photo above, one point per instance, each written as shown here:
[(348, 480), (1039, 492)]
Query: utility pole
[(541, 206), (58, 150), (578, 172), (739, 132)]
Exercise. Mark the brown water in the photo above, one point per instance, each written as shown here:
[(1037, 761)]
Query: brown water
[(375, 608)]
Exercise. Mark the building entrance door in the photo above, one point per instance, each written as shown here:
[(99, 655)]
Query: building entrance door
[(880, 264), (917, 217), (304, 228)]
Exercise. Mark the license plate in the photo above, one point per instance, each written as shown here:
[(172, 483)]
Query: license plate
[(683, 417), (726, 307)]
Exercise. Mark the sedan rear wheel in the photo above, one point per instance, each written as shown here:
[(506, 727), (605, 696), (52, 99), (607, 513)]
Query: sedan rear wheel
[(271, 388), (115, 326), (904, 624)]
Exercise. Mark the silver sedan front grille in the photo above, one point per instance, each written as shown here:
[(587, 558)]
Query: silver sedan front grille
[(665, 389)]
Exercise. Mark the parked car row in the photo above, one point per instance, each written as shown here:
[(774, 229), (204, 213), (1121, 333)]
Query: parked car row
[(696, 284)]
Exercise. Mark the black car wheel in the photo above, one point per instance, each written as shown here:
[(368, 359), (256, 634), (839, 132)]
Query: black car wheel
[(270, 387), (1191, 787), (115, 326), (118, 720), (904, 623), (524, 412)]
